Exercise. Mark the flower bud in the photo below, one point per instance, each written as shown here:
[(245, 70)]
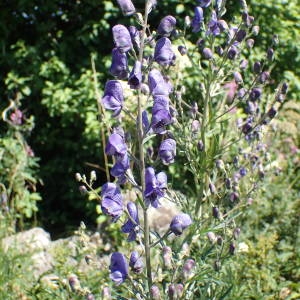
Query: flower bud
[(264, 76), (179, 223), (275, 39), (255, 30), (219, 50), (270, 54), (200, 146), (241, 93), (243, 172), (155, 293), (90, 296), (232, 52), (195, 126), (78, 177), (187, 21), (234, 196), (232, 248), (228, 183), (182, 50), (106, 295), (74, 282), (255, 93), (217, 265), (215, 212), (284, 88), (220, 164), (83, 190), (93, 176), (243, 64), (238, 77), (187, 268), (250, 43), (167, 257), (172, 291), (207, 53), (211, 237), (136, 263), (240, 35), (236, 233), (256, 67), (127, 7), (212, 188), (272, 112), (219, 240)]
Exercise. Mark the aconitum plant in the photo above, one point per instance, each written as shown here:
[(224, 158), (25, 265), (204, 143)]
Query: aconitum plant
[(189, 136)]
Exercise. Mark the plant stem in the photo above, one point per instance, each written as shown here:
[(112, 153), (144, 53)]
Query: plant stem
[(142, 158)]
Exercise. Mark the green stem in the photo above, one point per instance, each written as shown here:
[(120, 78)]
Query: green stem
[(142, 159)]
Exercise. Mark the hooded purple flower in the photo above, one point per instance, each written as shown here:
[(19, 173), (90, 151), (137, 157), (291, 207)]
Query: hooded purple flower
[(163, 53), (135, 77), (159, 120), (113, 97), (119, 64), (135, 36), (132, 222), (255, 93), (116, 145), (198, 19), (179, 223), (122, 38), (136, 263), (166, 26), (167, 151), (127, 7), (157, 84), (121, 166), (204, 3), (112, 202), (155, 186), (118, 268), (213, 25)]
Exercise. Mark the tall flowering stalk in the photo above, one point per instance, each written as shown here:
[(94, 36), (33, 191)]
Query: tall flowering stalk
[(214, 138)]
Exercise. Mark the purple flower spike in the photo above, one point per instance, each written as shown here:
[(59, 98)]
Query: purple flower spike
[(157, 84), (136, 263), (113, 97), (155, 186), (132, 222), (122, 38), (179, 223), (127, 7), (118, 268), (167, 151), (112, 202), (116, 145), (198, 19), (119, 64), (135, 77), (204, 3), (166, 26), (163, 53)]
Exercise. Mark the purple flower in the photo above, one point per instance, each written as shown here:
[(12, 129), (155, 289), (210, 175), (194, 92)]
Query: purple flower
[(135, 36), (119, 64), (198, 19), (159, 120), (136, 263), (240, 35), (207, 53), (122, 38), (135, 77), (167, 151), (121, 166), (255, 93), (16, 117), (118, 268), (127, 7), (155, 186), (163, 53), (116, 145), (179, 223), (157, 84), (166, 26), (112, 202), (213, 25), (132, 222), (204, 3), (232, 52), (113, 97)]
